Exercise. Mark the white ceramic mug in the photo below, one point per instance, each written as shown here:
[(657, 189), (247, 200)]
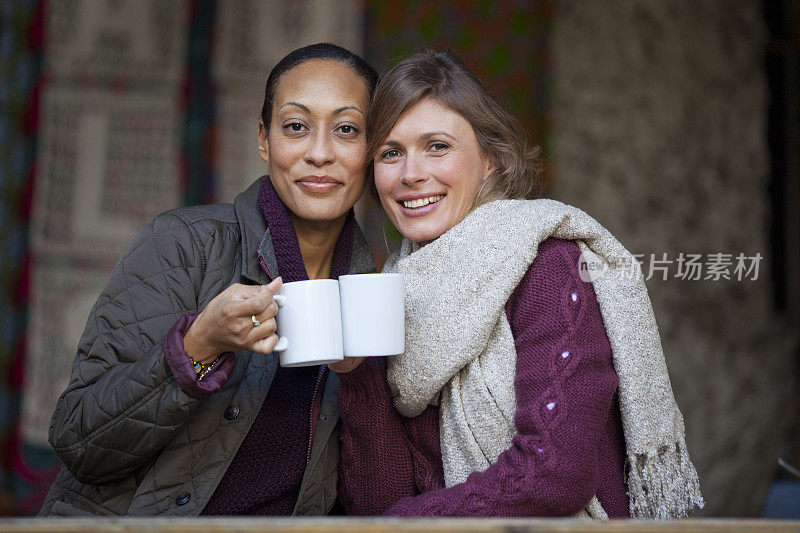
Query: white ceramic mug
[(373, 314), (309, 323), (320, 321)]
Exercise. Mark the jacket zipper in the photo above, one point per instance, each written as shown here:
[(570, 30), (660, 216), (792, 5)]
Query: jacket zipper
[(312, 425), (320, 377), (264, 266)]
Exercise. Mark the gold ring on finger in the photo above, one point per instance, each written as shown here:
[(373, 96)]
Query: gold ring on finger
[(256, 323)]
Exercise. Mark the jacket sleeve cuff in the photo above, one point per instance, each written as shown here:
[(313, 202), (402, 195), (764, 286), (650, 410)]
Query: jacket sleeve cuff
[(180, 363)]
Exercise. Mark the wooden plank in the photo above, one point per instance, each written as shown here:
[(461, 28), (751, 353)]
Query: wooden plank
[(383, 525)]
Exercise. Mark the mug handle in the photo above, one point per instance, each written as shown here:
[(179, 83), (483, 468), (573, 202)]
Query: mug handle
[(283, 342)]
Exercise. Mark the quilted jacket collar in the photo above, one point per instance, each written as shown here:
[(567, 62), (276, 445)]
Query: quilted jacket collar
[(257, 241)]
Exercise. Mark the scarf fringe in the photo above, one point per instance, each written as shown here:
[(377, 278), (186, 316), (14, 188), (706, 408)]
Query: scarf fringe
[(593, 511), (663, 485)]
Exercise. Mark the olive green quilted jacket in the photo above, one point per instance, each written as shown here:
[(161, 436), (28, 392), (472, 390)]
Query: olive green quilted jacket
[(132, 442)]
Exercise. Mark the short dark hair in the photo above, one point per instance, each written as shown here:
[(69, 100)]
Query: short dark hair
[(441, 75), (307, 53)]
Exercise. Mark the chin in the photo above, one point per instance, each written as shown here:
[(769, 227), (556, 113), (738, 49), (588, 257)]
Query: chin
[(321, 210), (322, 216), (421, 235)]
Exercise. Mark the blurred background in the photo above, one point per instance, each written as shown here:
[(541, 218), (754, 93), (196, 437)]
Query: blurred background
[(675, 123)]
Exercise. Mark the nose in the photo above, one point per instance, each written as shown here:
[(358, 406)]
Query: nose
[(413, 171), (321, 150)]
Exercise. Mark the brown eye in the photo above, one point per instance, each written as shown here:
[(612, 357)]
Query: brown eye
[(294, 127), (348, 130), (390, 154)]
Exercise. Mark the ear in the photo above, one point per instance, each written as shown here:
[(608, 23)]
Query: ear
[(263, 142)]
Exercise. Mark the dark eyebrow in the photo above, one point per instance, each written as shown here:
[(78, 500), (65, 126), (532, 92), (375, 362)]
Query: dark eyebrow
[(335, 112), (430, 134), (422, 137), (301, 106), (345, 108)]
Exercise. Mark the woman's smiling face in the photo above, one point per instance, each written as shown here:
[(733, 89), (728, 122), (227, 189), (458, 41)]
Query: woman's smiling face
[(428, 170), (315, 144)]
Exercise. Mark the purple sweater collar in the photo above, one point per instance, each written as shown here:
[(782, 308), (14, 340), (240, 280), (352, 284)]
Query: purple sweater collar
[(284, 239)]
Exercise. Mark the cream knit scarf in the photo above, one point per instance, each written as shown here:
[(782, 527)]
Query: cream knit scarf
[(460, 350)]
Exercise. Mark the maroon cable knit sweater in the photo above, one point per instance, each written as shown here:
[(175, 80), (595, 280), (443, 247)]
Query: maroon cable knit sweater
[(265, 475), (569, 444)]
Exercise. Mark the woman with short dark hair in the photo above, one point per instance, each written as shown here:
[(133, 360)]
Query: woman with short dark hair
[(531, 385), (176, 405)]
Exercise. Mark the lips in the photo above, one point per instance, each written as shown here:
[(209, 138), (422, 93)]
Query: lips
[(318, 184), (421, 202), (418, 205)]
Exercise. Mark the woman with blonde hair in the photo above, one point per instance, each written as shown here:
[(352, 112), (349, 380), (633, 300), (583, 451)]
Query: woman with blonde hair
[(531, 384)]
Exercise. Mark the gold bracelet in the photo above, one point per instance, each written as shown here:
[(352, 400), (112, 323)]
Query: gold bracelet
[(201, 369)]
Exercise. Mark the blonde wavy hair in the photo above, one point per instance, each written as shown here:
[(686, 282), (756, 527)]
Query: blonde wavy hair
[(441, 75)]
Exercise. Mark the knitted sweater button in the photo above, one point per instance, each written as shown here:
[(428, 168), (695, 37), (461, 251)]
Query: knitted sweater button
[(231, 412), (183, 498)]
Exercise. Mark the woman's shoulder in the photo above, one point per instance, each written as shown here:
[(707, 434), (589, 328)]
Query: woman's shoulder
[(183, 236), (217, 220), (554, 250), (552, 275), (557, 261), (211, 214)]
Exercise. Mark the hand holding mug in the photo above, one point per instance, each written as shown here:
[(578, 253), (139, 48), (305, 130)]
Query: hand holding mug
[(242, 317)]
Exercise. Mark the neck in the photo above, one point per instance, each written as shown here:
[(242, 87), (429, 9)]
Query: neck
[(317, 243)]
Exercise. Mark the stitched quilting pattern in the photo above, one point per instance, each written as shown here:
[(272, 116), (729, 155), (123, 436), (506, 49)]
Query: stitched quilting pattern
[(120, 382)]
